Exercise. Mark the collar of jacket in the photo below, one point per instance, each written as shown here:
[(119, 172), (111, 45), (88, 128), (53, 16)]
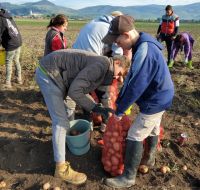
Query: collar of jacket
[(56, 29)]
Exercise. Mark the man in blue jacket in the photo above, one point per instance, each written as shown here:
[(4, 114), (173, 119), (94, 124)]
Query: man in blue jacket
[(149, 85)]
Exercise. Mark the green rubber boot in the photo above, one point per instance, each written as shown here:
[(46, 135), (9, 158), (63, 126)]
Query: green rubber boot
[(189, 65), (171, 63)]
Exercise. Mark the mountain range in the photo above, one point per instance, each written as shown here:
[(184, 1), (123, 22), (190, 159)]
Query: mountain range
[(44, 7)]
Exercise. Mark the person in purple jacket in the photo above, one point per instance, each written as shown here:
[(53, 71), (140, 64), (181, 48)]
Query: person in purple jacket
[(183, 41), (149, 85)]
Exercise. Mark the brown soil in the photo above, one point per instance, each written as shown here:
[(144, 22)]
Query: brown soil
[(26, 157)]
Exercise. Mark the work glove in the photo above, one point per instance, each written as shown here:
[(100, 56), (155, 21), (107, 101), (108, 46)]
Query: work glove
[(103, 111)]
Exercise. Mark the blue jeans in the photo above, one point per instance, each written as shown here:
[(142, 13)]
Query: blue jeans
[(10, 57), (60, 125)]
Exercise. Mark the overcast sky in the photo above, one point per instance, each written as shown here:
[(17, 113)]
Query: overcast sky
[(77, 4)]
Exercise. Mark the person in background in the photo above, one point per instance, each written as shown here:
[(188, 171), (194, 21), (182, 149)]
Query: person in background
[(75, 73), (91, 35), (149, 85), (55, 38), (168, 29), (90, 39), (11, 40), (183, 41)]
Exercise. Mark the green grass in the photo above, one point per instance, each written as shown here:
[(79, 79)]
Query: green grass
[(34, 31), (31, 22), (150, 27)]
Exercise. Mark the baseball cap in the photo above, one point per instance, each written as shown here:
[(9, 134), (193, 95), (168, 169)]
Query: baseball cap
[(118, 26), (116, 13)]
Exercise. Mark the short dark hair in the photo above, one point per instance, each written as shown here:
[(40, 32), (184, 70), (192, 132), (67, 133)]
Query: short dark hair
[(168, 7)]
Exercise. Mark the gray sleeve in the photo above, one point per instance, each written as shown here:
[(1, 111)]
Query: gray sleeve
[(85, 82)]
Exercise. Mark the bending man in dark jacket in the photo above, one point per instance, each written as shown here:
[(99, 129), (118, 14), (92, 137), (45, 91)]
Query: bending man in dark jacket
[(150, 86), (75, 73), (10, 39)]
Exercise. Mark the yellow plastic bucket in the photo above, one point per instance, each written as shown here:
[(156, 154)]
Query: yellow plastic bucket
[(2, 56)]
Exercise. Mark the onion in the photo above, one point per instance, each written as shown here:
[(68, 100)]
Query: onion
[(2, 184), (46, 186), (143, 169), (116, 146), (185, 167), (165, 169), (114, 160), (56, 188)]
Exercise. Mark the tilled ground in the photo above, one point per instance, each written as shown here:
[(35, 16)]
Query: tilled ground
[(26, 157)]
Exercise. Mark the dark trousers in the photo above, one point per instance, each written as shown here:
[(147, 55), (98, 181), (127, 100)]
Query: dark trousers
[(168, 41)]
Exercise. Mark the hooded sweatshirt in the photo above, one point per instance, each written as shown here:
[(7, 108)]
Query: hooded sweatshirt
[(10, 37), (91, 35), (148, 83)]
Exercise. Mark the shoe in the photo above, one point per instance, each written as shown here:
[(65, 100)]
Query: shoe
[(133, 157), (66, 173), (148, 158)]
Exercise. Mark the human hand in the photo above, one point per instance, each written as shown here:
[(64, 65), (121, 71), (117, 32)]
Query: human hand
[(103, 111), (118, 118)]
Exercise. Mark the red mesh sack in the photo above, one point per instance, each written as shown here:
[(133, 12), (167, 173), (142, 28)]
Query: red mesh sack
[(96, 118), (113, 93), (114, 145)]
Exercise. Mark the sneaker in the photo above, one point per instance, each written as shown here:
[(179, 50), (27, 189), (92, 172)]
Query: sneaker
[(103, 127), (66, 173)]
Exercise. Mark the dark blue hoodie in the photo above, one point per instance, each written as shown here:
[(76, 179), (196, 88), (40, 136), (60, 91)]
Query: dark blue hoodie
[(10, 37), (148, 82)]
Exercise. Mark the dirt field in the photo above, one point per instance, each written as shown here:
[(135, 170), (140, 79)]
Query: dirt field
[(26, 157)]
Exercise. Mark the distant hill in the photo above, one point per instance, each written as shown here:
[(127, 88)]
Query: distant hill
[(43, 7), (187, 12)]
